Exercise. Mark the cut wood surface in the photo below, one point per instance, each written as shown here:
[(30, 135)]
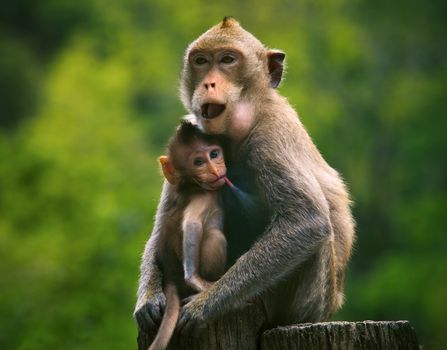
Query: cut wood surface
[(371, 335), (243, 331)]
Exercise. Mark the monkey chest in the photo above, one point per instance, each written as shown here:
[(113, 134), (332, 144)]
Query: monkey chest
[(245, 215)]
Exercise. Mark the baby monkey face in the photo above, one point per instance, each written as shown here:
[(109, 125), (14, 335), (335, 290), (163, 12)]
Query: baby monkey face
[(207, 164)]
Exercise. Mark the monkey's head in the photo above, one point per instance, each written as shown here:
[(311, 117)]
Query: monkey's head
[(226, 72), (194, 158)]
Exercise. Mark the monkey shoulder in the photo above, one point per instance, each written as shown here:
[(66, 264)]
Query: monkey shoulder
[(290, 160), (275, 136)]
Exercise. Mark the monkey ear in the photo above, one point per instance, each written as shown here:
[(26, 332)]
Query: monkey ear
[(168, 169), (276, 66)]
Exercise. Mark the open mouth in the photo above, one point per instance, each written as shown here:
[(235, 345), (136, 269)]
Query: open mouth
[(212, 110)]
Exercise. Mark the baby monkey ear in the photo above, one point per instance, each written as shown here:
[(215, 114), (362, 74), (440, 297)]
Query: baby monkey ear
[(168, 169)]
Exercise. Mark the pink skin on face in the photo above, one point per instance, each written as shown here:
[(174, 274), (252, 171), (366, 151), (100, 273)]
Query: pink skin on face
[(208, 164)]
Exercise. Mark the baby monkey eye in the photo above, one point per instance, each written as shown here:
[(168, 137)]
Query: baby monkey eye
[(198, 161), (214, 153), (200, 60), (227, 59)]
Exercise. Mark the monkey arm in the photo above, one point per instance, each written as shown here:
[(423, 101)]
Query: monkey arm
[(150, 296), (192, 239), (299, 225), (289, 240)]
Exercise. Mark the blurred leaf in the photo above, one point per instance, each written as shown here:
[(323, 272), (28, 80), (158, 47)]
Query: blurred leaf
[(89, 98)]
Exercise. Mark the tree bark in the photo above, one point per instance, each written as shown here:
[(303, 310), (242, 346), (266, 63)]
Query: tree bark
[(366, 335), (240, 330), (243, 330)]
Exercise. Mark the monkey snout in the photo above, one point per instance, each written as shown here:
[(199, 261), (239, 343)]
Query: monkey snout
[(211, 85), (219, 182), (212, 110)]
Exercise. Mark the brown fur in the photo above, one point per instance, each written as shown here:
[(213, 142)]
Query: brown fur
[(190, 251), (298, 260)]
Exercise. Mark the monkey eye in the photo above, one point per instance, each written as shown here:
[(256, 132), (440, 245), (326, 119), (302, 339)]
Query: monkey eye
[(200, 60), (214, 153), (227, 59), (198, 161)]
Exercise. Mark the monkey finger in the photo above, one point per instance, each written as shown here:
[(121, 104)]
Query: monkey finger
[(182, 321), (188, 299), (185, 323), (149, 321), (154, 313), (144, 321), (139, 317), (193, 328), (187, 328)]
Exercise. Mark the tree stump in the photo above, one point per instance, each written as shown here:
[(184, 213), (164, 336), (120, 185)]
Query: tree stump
[(366, 335), (242, 330)]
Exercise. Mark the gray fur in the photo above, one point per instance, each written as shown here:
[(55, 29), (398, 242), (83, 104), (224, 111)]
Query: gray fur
[(297, 265)]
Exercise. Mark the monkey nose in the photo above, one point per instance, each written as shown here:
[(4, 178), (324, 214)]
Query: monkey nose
[(214, 171), (210, 85)]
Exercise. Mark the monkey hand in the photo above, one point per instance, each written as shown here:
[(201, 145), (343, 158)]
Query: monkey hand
[(193, 317), (187, 300), (149, 310)]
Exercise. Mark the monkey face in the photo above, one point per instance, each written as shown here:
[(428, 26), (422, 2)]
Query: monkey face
[(217, 89), (225, 73), (206, 165), (218, 68)]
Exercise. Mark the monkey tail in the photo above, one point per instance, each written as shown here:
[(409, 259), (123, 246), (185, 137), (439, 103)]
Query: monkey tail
[(169, 320)]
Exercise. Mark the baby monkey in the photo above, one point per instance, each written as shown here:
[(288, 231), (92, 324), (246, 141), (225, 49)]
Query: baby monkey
[(191, 248)]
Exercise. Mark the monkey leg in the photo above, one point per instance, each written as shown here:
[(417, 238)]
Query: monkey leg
[(211, 263), (307, 294), (343, 228), (213, 254), (192, 238), (197, 283), (203, 252)]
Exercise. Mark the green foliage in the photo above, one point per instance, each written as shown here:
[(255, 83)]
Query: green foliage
[(89, 98)]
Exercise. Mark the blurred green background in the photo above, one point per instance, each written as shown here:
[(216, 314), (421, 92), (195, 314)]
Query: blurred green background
[(88, 98)]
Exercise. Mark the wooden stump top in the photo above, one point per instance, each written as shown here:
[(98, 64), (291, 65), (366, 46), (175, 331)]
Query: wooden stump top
[(366, 335)]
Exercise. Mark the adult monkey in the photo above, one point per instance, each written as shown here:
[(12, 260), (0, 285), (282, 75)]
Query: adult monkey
[(299, 257)]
